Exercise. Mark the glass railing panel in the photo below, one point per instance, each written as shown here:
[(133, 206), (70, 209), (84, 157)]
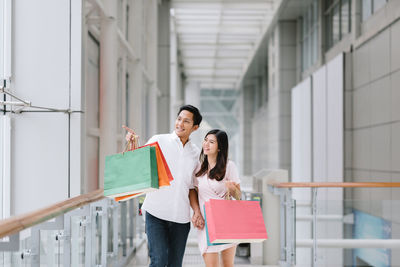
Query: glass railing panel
[(97, 229), (22, 257), (370, 218), (50, 251), (78, 233), (87, 236), (303, 226)]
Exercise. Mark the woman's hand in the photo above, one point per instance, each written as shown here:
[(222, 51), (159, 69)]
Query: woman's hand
[(198, 220), (233, 189)]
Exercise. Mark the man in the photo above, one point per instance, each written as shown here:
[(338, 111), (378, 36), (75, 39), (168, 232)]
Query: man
[(168, 209)]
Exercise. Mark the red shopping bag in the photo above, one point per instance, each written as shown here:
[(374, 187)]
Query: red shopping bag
[(235, 221)]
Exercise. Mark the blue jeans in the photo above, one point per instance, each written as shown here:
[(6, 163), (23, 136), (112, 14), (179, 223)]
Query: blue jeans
[(166, 241)]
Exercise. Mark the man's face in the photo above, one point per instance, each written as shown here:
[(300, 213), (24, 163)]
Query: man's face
[(184, 124)]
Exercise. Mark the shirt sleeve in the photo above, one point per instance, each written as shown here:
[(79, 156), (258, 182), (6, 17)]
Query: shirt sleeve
[(232, 172), (153, 139), (195, 182)]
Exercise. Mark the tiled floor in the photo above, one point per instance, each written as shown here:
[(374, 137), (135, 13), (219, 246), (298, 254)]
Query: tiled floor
[(192, 256)]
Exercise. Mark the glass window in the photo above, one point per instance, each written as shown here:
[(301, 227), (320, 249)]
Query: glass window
[(127, 23), (265, 84), (336, 25), (345, 14), (371, 6), (338, 20), (310, 36), (92, 114), (2, 21), (378, 4), (366, 9), (127, 99), (119, 95), (120, 18), (5, 40)]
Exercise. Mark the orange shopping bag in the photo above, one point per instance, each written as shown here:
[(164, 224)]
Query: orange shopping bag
[(164, 173)]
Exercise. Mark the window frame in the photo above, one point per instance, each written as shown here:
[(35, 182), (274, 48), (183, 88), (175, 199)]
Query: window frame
[(5, 42)]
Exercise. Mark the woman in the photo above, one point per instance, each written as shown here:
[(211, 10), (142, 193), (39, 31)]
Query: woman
[(216, 177)]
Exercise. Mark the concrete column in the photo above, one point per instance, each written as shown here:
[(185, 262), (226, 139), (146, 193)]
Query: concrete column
[(271, 211), (151, 21), (108, 82), (192, 97), (136, 96), (163, 71), (176, 96), (247, 102)]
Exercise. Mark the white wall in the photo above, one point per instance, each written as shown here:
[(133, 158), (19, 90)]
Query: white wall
[(302, 160), (328, 155), (5, 181), (301, 132), (46, 71)]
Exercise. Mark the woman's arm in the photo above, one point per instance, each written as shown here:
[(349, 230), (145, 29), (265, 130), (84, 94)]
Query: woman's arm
[(197, 218)]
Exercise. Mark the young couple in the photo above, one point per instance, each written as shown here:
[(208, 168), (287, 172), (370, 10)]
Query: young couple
[(198, 177)]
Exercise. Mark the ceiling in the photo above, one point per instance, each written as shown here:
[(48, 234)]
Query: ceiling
[(217, 39)]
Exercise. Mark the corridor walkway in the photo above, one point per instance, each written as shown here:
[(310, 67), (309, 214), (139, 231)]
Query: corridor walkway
[(192, 255)]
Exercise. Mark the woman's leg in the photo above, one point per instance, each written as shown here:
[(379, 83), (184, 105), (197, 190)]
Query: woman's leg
[(211, 259), (228, 256)]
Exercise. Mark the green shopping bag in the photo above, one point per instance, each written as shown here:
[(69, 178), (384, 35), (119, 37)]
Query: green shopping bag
[(131, 172)]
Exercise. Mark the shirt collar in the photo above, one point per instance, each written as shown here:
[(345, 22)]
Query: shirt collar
[(176, 137)]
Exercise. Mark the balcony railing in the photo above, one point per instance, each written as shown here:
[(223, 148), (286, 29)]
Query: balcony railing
[(337, 224), (88, 230)]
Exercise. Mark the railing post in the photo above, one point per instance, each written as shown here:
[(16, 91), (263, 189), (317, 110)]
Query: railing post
[(35, 247), (123, 227), (282, 229), (290, 228), (104, 231), (314, 224), (68, 242), (116, 226)]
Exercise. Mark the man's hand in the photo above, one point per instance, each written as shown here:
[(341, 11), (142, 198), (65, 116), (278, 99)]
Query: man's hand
[(129, 137), (198, 220)]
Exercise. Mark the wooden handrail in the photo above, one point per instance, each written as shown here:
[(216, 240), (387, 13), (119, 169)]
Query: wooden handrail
[(18, 223), (313, 185)]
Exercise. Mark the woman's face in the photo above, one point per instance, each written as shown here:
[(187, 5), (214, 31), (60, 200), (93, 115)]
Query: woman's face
[(210, 145)]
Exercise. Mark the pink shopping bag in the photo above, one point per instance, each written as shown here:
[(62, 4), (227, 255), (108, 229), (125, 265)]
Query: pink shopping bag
[(235, 221)]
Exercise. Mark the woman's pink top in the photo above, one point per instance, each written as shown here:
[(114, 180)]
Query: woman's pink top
[(211, 188)]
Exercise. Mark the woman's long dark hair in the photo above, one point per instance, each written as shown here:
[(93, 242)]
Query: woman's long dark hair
[(218, 172)]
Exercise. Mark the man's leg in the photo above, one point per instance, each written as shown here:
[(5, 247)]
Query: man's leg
[(178, 233), (157, 238)]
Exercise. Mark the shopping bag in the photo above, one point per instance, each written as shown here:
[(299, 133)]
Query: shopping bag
[(131, 172), (234, 221), (164, 173), (207, 235)]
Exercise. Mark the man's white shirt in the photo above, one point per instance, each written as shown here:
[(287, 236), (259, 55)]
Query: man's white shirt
[(171, 203)]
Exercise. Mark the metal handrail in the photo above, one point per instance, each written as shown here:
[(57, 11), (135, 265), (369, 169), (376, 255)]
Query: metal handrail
[(18, 223), (338, 184)]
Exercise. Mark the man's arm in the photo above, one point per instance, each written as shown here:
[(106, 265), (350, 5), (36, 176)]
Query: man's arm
[(197, 218)]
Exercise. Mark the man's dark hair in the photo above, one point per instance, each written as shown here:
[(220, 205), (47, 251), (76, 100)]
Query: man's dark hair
[(196, 113)]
